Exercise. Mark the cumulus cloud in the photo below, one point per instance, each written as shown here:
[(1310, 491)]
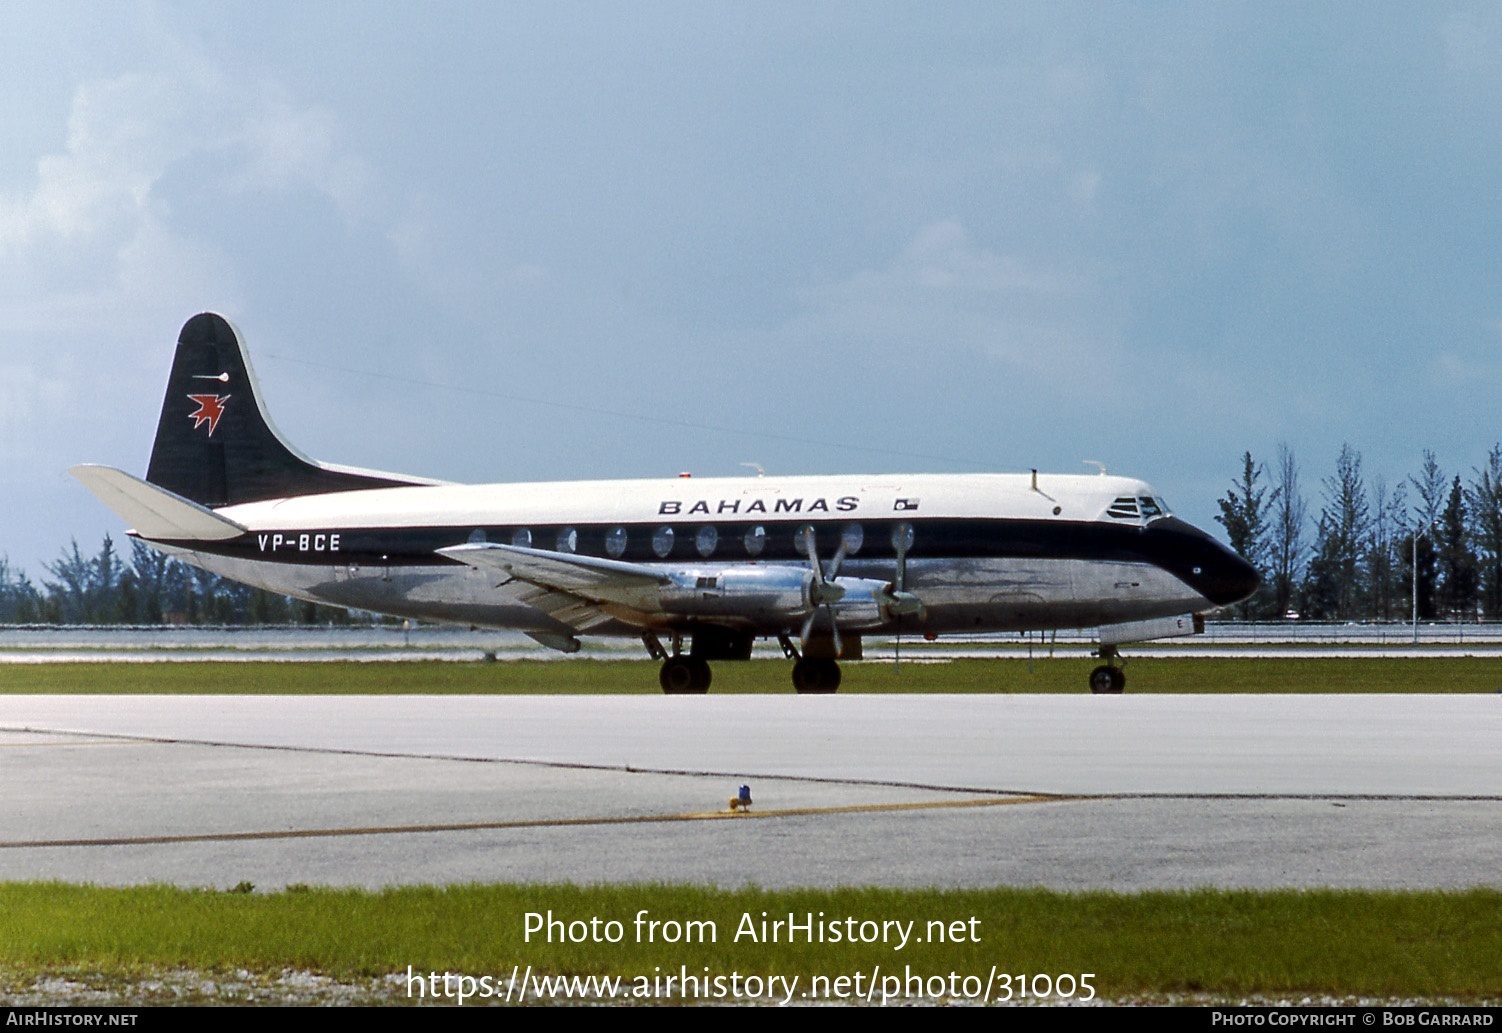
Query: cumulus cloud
[(95, 234), (287, 146), (113, 234), (943, 291)]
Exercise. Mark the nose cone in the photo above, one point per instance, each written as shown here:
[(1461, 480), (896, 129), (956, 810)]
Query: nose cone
[(1203, 563)]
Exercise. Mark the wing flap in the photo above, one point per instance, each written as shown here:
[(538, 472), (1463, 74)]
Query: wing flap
[(154, 513), (580, 591)]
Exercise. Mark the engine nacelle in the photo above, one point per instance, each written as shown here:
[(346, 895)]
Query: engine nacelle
[(862, 605), (752, 592)]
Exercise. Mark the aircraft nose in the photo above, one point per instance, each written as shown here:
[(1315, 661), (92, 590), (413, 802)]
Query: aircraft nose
[(1207, 566), (1229, 579)]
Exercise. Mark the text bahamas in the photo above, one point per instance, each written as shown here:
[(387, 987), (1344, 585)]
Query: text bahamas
[(674, 507)]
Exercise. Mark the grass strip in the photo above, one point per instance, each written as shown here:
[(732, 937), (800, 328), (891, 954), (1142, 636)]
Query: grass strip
[(617, 677), (1423, 945)]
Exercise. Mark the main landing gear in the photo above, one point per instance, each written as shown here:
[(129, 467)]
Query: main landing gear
[(816, 676), (811, 674), (685, 674), (681, 675), (1108, 678)]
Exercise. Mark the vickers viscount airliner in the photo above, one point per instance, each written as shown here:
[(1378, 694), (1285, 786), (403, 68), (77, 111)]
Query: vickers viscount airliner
[(698, 569)]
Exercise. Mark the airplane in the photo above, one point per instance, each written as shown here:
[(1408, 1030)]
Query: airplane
[(815, 562)]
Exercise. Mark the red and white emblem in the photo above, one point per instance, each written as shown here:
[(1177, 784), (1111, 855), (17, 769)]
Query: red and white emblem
[(210, 408)]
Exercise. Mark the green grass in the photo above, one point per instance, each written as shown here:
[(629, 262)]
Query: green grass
[(581, 676), (1218, 943)]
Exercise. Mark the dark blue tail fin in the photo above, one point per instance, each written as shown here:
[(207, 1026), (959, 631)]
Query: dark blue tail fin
[(214, 442)]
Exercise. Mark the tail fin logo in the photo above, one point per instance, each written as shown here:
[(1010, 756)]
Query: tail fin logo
[(210, 408)]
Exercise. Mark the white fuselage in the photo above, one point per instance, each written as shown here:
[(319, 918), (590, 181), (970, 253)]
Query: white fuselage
[(987, 552)]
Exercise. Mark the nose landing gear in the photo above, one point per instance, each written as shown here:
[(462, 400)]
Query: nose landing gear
[(1108, 679)]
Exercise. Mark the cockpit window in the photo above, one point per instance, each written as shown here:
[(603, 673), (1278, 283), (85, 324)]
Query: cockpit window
[(1146, 508)]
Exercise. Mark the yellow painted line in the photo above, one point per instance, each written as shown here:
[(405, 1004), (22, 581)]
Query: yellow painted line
[(539, 823), (872, 808)]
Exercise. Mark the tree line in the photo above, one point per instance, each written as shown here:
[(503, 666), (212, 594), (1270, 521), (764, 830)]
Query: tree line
[(1371, 549), (149, 588)]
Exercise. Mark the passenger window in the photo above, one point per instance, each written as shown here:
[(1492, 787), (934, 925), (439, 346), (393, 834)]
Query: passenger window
[(615, 543), (662, 541), (706, 540), (902, 538), (853, 538), (522, 538), (756, 540), (568, 540), (804, 538), (476, 537)]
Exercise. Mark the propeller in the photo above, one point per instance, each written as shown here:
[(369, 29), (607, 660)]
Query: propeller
[(824, 591), (895, 598)]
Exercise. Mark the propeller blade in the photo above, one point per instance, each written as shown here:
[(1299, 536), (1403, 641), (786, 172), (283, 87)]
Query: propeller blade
[(834, 564), (822, 591), (899, 600), (834, 628), (808, 627), (807, 534)]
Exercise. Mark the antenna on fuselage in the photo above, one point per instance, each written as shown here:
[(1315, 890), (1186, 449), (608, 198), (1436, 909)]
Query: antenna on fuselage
[(1097, 464), (1040, 491), (757, 467)]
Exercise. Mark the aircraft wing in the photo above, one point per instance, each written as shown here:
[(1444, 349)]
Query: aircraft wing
[(580, 591)]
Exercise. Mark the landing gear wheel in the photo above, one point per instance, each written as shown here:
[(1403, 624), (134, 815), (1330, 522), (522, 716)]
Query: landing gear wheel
[(816, 676), (1109, 681), (683, 676)]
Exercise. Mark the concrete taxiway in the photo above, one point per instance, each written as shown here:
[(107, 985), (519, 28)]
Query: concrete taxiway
[(1122, 793)]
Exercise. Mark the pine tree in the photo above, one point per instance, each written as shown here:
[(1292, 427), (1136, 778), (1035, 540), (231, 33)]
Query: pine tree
[(1457, 563), (1431, 486), (19, 601), (1485, 498), (1286, 535), (1344, 525), (1385, 562), (1243, 513), (70, 598)]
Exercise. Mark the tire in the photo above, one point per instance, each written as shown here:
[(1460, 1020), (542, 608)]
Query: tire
[(679, 677), (800, 677), (702, 675), (831, 679), (1107, 681), (819, 677)]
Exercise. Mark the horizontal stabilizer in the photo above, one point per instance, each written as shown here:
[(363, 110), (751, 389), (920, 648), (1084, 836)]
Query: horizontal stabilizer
[(154, 513)]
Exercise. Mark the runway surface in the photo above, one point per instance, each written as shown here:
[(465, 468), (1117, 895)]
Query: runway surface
[(1121, 793)]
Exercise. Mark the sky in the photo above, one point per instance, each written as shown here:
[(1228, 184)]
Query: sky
[(551, 241)]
